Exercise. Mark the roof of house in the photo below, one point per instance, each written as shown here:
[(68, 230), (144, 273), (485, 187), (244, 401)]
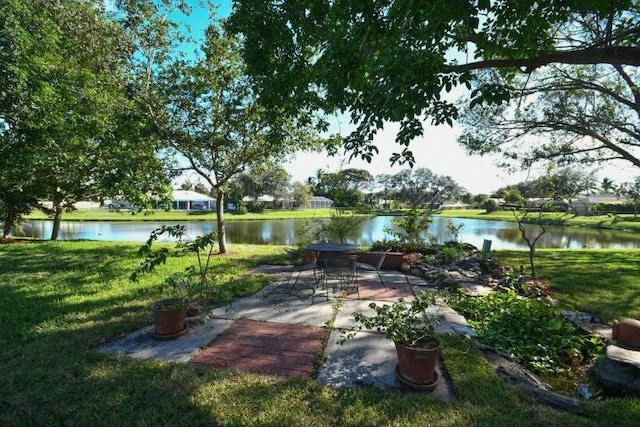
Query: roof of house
[(321, 199), (190, 196), (601, 198)]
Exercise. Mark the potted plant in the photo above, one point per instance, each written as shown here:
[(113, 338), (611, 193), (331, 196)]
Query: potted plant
[(190, 289), (413, 334)]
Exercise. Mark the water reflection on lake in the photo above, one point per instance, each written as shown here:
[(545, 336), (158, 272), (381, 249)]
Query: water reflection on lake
[(504, 235)]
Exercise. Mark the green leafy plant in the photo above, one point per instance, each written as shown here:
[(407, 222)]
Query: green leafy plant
[(193, 284), (306, 233), (340, 225), (401, 322), (241, 210), (530, 330), (411, 227), (449, 252), (455, 230)]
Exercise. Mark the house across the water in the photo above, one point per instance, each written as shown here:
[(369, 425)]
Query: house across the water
[(187, 200)]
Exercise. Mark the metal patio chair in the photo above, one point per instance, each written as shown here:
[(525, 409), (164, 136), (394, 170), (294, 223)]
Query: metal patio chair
[(376, 266)]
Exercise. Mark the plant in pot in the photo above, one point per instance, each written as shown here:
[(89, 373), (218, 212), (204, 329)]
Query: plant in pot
[(190, 289), (413, 333)]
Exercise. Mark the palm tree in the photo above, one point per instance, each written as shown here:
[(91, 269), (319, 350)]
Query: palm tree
[(607, 186)]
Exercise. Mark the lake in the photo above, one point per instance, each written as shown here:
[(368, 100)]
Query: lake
[(503, 234)]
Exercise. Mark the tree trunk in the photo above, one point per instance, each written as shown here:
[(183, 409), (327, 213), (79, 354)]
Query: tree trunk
[(6, 228), (222, 236), (57, 216)]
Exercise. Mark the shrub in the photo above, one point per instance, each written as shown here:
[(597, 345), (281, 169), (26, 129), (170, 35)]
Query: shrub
[(341, 225), (255, 207), (241, 210), (490, 205)]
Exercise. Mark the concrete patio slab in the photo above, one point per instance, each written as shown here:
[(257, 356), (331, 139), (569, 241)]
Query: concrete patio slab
[(141, 344), (369, 359)]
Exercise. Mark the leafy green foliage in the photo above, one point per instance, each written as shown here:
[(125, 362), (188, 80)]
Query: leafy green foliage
[(412, 226), (194, 283), (341, 225), (391, 61), (255, 207), (531, 330), (401, 322)]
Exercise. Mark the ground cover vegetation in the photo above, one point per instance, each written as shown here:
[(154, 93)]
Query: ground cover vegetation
[(60, 300)]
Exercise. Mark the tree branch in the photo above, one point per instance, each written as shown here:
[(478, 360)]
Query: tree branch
[(617, 55)]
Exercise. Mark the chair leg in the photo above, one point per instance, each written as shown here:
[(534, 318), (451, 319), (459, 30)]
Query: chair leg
[(386, 288), (295, 282), (322, 278)]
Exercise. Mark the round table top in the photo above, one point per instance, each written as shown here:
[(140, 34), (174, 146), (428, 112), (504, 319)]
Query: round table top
[(332, 247)]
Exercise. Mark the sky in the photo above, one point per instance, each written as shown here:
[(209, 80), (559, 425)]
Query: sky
[(437, 150)]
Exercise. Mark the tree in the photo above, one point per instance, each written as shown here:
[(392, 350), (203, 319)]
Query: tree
[(521, 219), (513, 197), (607, 185), (302, 195), (187, 185), (385, 183), (266, 178), (565, 114), (564, 184), (345, 187), (631, 190), (200, 188), (66, 110), (212, 119), (479, 200), (391, 61), (421, 187)]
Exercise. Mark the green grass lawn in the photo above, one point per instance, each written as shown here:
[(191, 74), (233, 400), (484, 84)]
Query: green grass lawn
[(618, 222), (600, 281), (59, 301)]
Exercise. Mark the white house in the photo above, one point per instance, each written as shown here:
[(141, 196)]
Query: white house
[(187, 200), (582, 205)]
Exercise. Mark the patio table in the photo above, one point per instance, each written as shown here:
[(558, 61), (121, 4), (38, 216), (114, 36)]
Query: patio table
[(336, 261)]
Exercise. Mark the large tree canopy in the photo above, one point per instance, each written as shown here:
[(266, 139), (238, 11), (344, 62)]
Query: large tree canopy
[(213, 120), (391, 60), (565, 114), (72, 129)]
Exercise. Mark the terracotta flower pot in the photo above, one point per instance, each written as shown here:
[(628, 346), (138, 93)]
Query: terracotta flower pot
[(626, 332), (417, 366), (170, 318), (309, 257)]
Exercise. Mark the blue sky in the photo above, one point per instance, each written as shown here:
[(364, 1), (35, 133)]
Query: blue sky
[(436, 150)]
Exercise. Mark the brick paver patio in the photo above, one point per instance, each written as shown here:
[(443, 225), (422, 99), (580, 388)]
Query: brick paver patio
[(265, 348)]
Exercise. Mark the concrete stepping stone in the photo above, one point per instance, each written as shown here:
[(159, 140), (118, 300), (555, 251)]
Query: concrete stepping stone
[(452, 322), (141, 344)]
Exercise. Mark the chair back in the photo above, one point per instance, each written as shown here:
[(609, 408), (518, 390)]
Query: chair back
[(294, 256), (381, 258)]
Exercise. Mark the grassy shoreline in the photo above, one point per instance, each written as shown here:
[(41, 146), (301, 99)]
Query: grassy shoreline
[(59, 301), (626, 222)]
